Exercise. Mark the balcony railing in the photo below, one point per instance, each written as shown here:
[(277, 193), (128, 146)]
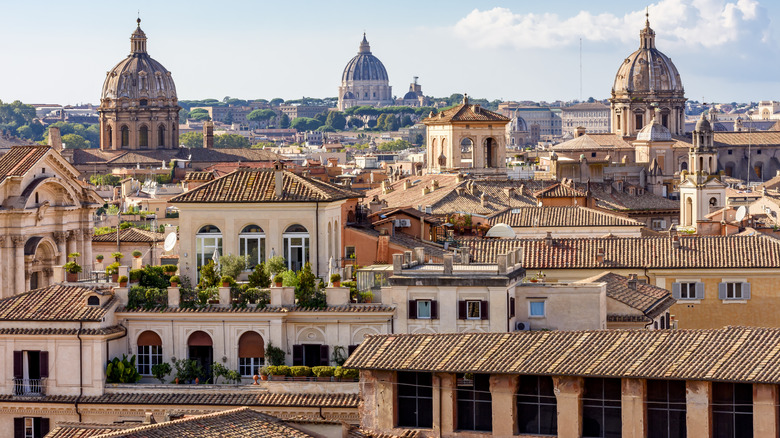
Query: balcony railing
[(30, 387)]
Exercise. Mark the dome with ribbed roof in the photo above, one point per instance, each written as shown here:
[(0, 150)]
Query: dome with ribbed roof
[(654, 131), (364, 66), (138, 76), (647, 69)]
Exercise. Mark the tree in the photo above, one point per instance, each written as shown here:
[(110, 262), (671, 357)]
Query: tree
[(75, 141), (406, 121), (232, 265), (321, 117), (259, 277), (380, 122), (391, 123), (307, 292), (336, 120), (104, 180), (233, 141), (261, 115), (302, 124), (395, 145), (191, 139), (284, 121), (199, 114), (276, 101), (355, 123)]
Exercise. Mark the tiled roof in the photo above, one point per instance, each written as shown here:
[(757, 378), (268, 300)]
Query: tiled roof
[(405, 241), (86, 430), (347, 308), (553, 216), (610, 198), (20, 159), (58, 302), (19, 331), (235, 423), (216, 399), (593, 141), (648, 299), (131, 234), (586, 106), (466, 113), (258, 185), (732, 354), (198, 176), (695, 252), (157, 156), (559, 190)]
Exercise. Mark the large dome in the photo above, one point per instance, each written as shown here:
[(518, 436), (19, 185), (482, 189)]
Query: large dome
[(364, 66), (647, 70), (138, 76)]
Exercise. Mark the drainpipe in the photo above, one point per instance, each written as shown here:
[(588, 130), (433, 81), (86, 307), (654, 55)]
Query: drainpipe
[(317, 246), (81, 367)]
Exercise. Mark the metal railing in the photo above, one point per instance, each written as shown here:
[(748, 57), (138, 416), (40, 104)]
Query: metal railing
[(93, 277), (30, 387)]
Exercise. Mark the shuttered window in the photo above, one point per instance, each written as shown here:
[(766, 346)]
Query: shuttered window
[(149, 352), (251, 353)]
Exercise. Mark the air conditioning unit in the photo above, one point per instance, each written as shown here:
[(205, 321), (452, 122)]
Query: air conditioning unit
[(402, 223), (522, 326)]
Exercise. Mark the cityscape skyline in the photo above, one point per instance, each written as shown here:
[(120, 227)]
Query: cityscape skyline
[(271, 50)]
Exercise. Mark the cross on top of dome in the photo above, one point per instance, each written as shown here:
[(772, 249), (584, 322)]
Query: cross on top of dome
[(365, 48)]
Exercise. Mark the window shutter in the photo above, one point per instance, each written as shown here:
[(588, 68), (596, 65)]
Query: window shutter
[(18, 361), (676, 290), (746, 291), (44, 426), (351, 349), (412, 309), (18, 427), (297, 355), (511, 307), (324, 355), (44, 364), (483, 311), (434, 309), (461, 310), (699, 291), (721, 291)]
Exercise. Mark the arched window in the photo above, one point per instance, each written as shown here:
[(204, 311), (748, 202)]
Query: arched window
[(713, 202), (149, 352), (251, 243), (251, 353), (467, 152), (110, 134), (161, 135), (125, 131), (93, 300), (143, 137), (207, 242), (296, 246), (683, 166)]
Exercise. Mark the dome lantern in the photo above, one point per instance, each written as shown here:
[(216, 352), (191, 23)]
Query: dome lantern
[(138, 40)]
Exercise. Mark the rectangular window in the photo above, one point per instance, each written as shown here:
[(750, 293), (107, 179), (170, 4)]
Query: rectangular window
[(536, 309), (349, 252), (536, 406), (31, 427), (639, 123), (734, 290), (666, 409), (474, 402), (601, 413), (415, 400), (473, 309), (688, 291), (732, 409), (148, 356), (249, 366), (423, 309)]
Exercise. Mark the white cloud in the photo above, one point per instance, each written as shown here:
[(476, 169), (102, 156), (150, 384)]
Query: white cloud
[(686, 23)]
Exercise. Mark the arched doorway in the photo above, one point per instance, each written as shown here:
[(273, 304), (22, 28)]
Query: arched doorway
[(201, 350), (39, 255), (466, 153), (490, 152), (251, 353), (296, 246)]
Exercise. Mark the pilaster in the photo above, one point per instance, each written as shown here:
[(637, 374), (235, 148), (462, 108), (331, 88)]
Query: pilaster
[(568, 393), (502, 391), (698, 397)]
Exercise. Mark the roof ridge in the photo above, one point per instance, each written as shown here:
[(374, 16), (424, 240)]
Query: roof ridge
[(145, 427)]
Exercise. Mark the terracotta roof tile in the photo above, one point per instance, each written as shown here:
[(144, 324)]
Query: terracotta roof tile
[(559, 190), (347, 308), (695, 252), (258, 185), (648, 299), (157, 156), (732, 354), (593, 141), (86, 430), (131, 234), (199, 176), (20, 159), (575, 216), (59, 302), (466, 113), (20, 331)]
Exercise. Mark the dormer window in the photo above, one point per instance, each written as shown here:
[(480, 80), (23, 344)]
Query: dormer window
[(93, 301)]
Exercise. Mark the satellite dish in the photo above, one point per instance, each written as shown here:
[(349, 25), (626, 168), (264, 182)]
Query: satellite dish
[(741, 213), (170, 241)]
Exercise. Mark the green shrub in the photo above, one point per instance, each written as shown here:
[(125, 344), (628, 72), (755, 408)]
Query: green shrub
[(335, 278), (136, 274), (187, 370), (207, 294), (74, 255), (323, 371), (346, 373), (122, 279), (99, 257), (117, 256), (232, 265), (161, 370), (279, 370), (137, 253), (122, 371), (72, 267), (259, 278), (169, 268), (274, 355), (278, 279), (263, 371), (300, 371), (219, 370), (227, 279), (112, 269), (208, 275), (175, 279), (275, 265)]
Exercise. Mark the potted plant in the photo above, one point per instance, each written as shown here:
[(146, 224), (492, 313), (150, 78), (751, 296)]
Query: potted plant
[(113, 271), (99, 258), (122, 281), (336, 280), (278, 280), (72, 270), (300, 372), (137, 253), (346, 374), (169, 269), (161, 370), (227, 281), (323, 373), (117, 256), (263, 371), (135, 275), (279, 372), (175, 280)]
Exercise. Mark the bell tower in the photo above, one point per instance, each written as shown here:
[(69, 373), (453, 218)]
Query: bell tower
[(701, 190)]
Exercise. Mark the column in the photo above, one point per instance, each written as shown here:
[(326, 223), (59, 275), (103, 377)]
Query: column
[(18, 241), (60, 238), (568, 393), (71, 242), (765, 401), (86, 254), (698, 395), (5, 270), (632, 407), (445, 410), (502, 392)]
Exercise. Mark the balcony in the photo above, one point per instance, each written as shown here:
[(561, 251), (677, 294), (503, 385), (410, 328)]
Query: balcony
[(30, 387)]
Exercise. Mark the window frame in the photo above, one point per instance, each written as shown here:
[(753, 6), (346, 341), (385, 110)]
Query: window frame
[(478, 399), (201, 239), (544, 308), (244, 237), (305, 245), (737, 409), (417, 394), (662, 410), (147, 357), (600, 402), (542, 403), (430, 309), (253, 363), (469, 307)]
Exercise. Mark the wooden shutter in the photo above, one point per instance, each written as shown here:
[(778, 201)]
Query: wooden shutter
[(434, 309), (746, 291), (297, 355), (43, 363), (18, 363), (721, 291), (324, 355), (699, 291), (511, 307), (483, 311), (18, 427), (462, 310), (44, 426), (412, 309), (676, 290), (351, 349)]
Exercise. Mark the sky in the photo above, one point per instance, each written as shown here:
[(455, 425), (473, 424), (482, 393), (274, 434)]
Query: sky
[(59, 52)]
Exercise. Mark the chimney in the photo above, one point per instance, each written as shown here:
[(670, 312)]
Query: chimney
[(632, 281), (407, 184), (459, 177), (482, 199), (208, 134), (579, 131), (465, 255), (278, 178), (676, 242), (508, 192), (448, 264), (548, 240), (425, 190), (459, 191), (435, 184), (55, 139), (600, 255)]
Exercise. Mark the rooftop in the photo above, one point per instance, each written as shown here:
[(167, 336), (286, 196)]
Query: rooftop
[(58, 302), (648, 299), (553, 216)]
